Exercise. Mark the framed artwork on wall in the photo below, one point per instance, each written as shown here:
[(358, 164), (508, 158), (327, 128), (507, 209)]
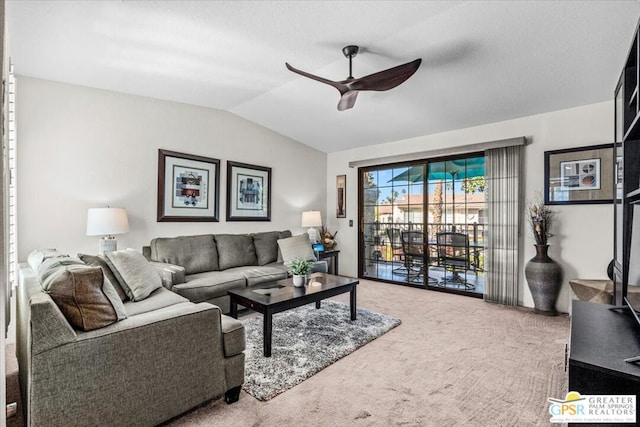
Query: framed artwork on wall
[(248, 192), (341, 192), (188, 187), (583, 175)]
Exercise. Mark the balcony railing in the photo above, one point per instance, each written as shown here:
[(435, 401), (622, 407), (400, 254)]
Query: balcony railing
[(378, 234)]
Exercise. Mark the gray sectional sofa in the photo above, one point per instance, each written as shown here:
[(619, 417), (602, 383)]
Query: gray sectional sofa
[(204, 267), (160, 357), (123, 340)]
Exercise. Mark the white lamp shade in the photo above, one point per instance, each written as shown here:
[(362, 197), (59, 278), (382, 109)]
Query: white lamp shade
[(311, 219), (107, 221)]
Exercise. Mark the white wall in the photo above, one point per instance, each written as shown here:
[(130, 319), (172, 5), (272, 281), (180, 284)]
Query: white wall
[(583, 241), (80, 148)]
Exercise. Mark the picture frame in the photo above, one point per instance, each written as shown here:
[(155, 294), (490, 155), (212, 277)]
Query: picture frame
[(248, 192), (583, 175), (188, 187), (341, 196)]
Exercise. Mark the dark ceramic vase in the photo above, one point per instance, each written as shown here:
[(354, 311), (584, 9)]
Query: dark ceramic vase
[(544, 277)]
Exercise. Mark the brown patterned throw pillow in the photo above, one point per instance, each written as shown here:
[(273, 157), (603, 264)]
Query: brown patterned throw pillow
[(79, 295)]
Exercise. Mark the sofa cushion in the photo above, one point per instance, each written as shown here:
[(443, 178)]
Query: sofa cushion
[(195, 253), (262, 274), (158, 299), (84, 297), (232, 335), (266, 245), (100, 261), (134, 273), (235, 250), (283, 235), (205, 286), (296, 247)]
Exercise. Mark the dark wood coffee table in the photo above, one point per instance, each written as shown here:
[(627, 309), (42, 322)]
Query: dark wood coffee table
[(275, 297)]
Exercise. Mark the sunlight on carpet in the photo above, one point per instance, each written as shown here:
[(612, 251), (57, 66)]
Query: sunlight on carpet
[(305, 341)]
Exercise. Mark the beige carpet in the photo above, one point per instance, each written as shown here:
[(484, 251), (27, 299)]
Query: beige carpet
[(453, 361)]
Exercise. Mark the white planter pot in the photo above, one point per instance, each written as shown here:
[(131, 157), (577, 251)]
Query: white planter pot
[(298, 281)]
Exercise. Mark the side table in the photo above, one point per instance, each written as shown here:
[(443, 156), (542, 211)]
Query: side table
[(330, 255)]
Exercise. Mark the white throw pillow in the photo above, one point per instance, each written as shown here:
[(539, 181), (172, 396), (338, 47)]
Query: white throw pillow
[(137, 277), (296, 247)]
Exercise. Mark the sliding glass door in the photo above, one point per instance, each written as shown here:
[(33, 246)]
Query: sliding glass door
[(423, 223)]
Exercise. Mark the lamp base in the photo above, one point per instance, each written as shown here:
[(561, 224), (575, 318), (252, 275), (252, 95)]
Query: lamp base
[(107, 244), (313, 235)]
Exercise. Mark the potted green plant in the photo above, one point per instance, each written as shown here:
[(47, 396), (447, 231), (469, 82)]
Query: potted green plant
[(299, 269)]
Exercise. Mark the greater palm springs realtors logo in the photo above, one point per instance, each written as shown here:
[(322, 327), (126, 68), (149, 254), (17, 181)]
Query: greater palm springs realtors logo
[(577, 408)]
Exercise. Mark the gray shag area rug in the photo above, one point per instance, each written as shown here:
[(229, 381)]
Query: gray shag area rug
[(305, 341)]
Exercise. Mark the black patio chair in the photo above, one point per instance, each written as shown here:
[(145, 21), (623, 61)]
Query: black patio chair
[(395, 240), (454, 256), (416, 258)]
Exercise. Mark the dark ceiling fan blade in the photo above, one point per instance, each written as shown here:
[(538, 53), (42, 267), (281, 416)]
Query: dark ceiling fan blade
[(342, 88), (385, 80), (347, 100)]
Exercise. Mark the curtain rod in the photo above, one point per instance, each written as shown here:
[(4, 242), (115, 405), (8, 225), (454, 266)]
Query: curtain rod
[(450, 151)]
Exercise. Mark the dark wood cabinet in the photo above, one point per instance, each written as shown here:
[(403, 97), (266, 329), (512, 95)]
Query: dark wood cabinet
[(602, 337), (600, 341)]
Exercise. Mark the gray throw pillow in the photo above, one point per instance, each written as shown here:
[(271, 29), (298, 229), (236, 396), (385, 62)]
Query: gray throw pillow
[(101, 261), (50, 265), (283, 235), (84, 297), (137, 277), (38, 256), (235, 250), (266, 245), (296, 247)]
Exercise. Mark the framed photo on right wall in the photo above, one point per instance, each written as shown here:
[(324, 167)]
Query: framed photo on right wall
[(341, 192), (583, 175)]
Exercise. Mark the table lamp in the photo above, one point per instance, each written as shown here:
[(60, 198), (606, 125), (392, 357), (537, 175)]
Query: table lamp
[(106, 222), (312, 219)]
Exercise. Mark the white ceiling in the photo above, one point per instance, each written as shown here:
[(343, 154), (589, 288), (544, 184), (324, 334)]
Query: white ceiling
[(483, 62)]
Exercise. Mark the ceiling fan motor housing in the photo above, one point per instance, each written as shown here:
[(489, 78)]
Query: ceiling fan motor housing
[(350, 51)]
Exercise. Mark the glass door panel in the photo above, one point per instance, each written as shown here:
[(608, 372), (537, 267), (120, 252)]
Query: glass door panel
[(406, 209)]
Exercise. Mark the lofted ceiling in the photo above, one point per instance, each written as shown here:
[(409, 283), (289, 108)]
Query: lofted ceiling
[(483, 62)]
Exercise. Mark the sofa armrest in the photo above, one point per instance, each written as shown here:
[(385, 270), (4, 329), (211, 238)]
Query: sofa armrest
[(233, 336), (320, 267), (146, 252), (171, 274), (148, 367), (49, 327)]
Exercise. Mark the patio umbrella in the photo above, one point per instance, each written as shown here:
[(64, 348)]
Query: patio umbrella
[(412, 174), (438, 171), (457, 169)]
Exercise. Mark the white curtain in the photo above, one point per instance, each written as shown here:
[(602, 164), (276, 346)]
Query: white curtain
[(503, 169)]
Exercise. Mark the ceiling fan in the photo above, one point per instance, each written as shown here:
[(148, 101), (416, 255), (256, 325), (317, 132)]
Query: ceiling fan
[(350, 87)]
